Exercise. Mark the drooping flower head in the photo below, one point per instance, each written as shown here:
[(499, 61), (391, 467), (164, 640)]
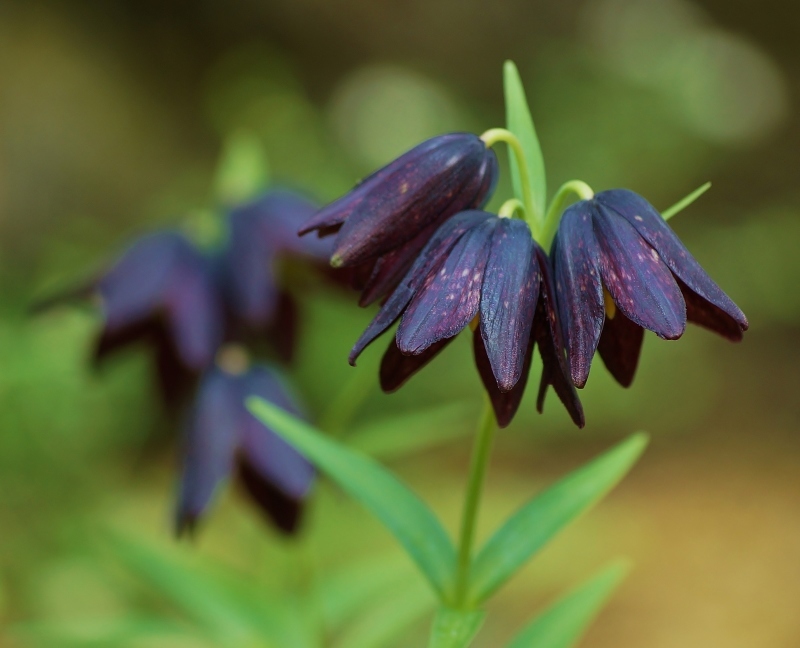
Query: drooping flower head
[(383, 224), (223, 438), (477, 265), (620, 269)]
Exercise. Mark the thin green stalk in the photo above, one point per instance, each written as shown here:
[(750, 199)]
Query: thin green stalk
[(481, 451), (560, 201), (510, 207), (492, 137), (348, 401)]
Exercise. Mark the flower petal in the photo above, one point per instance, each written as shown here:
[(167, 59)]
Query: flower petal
[(449, 298), (509, 295), (504, 404), (620, 346), (429, 261), (576, 260), (648, 222), (641, 286), (397, 368), (209, 446), (547, 334), (704, 313)]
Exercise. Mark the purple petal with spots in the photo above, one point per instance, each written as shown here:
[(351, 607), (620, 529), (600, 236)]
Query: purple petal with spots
[(547, 334), (620, 346), (427, 263), (397, 368), (504, 404), (641, 286), (576, 262), (209, 446), (435, 180), (449, 298), (652, 227), (509, 295), (704, 313)]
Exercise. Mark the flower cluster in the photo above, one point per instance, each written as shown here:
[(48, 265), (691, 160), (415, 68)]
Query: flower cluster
[(414, 234), (199, 312)]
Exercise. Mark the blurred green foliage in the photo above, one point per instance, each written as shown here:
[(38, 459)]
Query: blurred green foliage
[(112, 118)]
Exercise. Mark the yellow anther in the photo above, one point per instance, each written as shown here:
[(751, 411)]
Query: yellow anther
[(473, 325), (233, 359), (611, 307)]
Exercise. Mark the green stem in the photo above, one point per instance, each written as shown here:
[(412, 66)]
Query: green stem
[(345, 405), (510, 207), (481, 451), (494, 135), (560, 201)]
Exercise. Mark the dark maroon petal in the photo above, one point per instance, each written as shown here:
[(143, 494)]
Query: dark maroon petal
[(427, 263), (620, 346), (449, 299), (509, 295), (435, 179), (272, 458), (654, 229), (209, 446), (504, 404), (641, 286), (579, 291), (704, 313), (281, 510), (397, 368), (547, 334), (282, 333)]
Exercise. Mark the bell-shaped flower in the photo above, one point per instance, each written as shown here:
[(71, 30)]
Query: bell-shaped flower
[(262, 234), (385, 221), (620, 269), (223, 437), (482, 269)]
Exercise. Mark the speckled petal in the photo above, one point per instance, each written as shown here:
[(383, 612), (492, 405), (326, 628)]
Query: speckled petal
[(620, 346), (449, 299), (576, 261), (641, 286), (428, 262), (274, 471), (702, 312), (654, 229), (509, 295), (547, 334), (397, 368), (209, 446), (436, 179), (504, 404)]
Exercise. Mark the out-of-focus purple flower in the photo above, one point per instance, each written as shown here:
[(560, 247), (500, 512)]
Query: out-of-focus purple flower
[(620, 269), (223, 437), (383, 224), (162, 290), (478, 267)]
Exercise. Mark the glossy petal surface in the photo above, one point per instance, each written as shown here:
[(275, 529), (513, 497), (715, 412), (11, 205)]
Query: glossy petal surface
[(397, 368), (576, 261), (504, 404), (642, 287), (449, 298), (620, 346), (509, 294)]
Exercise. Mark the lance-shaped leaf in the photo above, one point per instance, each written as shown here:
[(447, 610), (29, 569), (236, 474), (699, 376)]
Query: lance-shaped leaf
[(564, 623), (455, 628), (538, 521), (520, 122), (404, 514)]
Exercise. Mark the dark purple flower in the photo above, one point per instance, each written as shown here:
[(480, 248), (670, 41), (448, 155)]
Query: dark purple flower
[(620, 269), (162, 291), (262, 234), (384, 222), (223, 437), (477, 267)]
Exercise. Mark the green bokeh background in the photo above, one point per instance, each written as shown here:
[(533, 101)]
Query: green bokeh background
[(112, 119)]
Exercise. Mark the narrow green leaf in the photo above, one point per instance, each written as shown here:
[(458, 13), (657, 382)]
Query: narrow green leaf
[(403, 513), (538, 521), (520, 122), (683, 203), (564, 623), (404, 435), (455, 628)]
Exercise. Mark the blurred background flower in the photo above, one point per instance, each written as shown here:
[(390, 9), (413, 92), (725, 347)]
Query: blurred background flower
[(111, 120)]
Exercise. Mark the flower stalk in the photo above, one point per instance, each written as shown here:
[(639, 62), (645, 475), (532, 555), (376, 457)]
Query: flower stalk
[(573, 188)]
